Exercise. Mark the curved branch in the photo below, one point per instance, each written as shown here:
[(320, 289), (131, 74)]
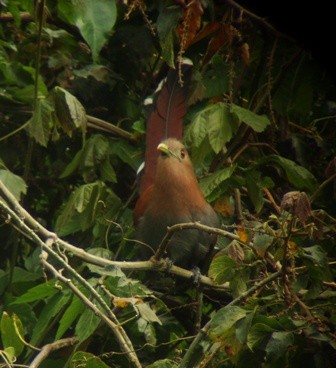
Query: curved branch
[(49, 348)]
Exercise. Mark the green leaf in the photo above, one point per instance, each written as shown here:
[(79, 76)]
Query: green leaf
[(211, 182), (221, 125), (8, 356), (38, 293), (107, 172), (147, 313), (40, 124), (148, 331), (9, 335), (316, 254), (53, 306), (216, 77), (224, 320), (15, 184), (126, 152), (215, 121), (95, 151), (70, 112), (297, 175), (197, 130), (84, 198), (86, 360), (73, 165), (222, 269), (278, 345), (163, 363), (258, 332), (95, 20), (262, 242), (254, 187), (74, 310), (166, 25), (243, 327), (87, 324), (257, 122)]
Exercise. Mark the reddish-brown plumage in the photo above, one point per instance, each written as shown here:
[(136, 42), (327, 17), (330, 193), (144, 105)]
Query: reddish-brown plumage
[(169, 191), (175, 197), (166, 119)]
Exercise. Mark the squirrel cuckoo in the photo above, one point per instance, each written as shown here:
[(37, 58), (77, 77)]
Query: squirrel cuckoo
[(169, 191)]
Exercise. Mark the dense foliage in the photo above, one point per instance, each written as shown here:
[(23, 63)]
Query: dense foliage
[(260, 127)]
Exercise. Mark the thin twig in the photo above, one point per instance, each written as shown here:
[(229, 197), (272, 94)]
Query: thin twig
[(49, 348)]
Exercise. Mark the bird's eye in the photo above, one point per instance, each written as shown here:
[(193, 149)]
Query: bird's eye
[(183, 153)]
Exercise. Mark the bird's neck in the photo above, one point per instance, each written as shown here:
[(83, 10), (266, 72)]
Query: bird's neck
[(178, 185)]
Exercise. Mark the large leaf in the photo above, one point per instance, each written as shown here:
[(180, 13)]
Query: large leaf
[(221, 125), (38, 293), (8, 326), (70, 112), (222, 269), (257, 122), (87, 324), (258, 333), (82, 201), (40, 124), (211, 182), (278, 345), (47, 315), (297, 175), (74, 310), (215, 121), (14, 183), (95, 20), (224, 319)]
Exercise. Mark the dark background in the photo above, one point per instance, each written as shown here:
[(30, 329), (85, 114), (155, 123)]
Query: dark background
[(311, 24)]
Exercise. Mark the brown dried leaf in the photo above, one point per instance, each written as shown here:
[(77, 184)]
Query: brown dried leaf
[(224, 206), (243, 234), (298, 204), (245, 53), (190, 24), (235, 251), (124, 302)]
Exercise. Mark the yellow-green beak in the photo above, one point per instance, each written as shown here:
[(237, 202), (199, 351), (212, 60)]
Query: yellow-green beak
[(165, 149)]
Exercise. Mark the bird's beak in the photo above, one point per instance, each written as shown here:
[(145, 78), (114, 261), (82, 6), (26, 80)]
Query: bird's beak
[(164, 149)]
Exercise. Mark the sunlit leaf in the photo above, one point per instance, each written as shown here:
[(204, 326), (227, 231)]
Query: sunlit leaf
[(10, 327), (95, 20)]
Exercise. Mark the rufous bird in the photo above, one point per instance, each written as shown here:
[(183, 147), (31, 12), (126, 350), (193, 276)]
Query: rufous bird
[(169, 190)]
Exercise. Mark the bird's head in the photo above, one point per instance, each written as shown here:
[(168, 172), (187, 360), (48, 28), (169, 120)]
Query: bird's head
[(173, 148)]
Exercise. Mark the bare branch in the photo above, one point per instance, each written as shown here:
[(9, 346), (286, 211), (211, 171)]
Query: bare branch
[(49, 348)]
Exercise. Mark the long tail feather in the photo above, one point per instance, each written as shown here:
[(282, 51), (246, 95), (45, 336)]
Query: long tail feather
[(166, 119)]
